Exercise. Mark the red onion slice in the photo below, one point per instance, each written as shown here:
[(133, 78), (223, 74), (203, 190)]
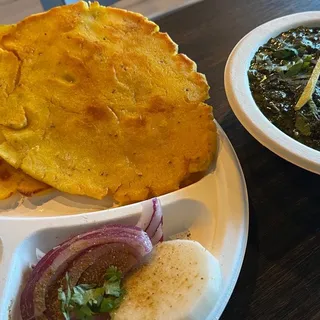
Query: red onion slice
[(158, 236), (55, 262), (90, 267), (151, 220), (125, 260), (84, 261), (39, 254), (51, 255)]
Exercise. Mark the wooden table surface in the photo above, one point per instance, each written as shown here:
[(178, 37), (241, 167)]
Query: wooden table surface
[(280, 278)]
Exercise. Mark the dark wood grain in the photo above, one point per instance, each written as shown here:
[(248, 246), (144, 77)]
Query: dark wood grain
[(280, 278)]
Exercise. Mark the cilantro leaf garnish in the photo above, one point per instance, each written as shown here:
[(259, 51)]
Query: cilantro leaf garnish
[(86, 300), (65, 299), (113, 288), (113, 274)]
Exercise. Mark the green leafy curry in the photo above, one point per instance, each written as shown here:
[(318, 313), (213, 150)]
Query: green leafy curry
[(278, 74)]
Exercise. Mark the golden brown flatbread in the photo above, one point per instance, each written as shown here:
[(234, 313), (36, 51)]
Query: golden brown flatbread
[(97, 101), (13, 180)]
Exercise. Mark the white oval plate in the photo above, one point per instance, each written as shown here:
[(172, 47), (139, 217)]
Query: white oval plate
[(214, 210), (242, 103)]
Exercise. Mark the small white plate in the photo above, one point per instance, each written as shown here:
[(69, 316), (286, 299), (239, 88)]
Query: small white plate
[(215, 211), (242, 103)]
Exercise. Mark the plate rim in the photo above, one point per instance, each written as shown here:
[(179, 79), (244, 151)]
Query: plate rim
[(224, 298)]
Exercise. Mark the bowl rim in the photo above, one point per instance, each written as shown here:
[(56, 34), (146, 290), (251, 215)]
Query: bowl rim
[(242, 103)]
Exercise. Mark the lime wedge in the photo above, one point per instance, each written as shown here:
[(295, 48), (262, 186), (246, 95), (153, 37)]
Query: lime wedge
[(310, 87)]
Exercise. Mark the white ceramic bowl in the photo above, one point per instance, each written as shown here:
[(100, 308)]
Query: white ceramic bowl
[(242, 103)]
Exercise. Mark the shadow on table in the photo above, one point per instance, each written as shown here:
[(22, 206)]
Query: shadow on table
[(238, 306)]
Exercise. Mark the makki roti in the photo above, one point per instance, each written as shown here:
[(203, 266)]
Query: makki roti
[(15, 180), (96, 101)]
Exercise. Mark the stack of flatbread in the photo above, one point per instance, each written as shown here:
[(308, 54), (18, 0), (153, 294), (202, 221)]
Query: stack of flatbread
[(96, 101)]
